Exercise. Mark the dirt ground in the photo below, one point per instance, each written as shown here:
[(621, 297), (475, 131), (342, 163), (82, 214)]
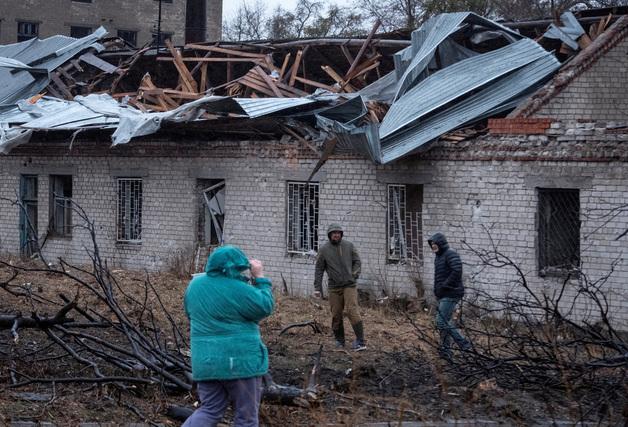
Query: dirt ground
[(394, 379)]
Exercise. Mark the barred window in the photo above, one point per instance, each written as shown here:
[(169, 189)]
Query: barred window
[(78, 32), (60, 205), (559, 230), (27, 30), (129, 216), (302, 218), (405, 233)]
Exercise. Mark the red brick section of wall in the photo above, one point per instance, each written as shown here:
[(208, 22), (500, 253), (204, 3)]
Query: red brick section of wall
[(519, 126)]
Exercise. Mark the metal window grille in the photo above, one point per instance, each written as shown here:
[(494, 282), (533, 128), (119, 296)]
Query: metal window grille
[(302, 218), (559, 230), (61, 205), (27, 30), (129, 216), (405, 232)]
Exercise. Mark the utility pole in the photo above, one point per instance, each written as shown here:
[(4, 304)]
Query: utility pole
[(159, 27)]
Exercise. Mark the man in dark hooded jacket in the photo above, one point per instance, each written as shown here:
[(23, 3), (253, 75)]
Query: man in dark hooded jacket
[(449, 290), (341, 261)]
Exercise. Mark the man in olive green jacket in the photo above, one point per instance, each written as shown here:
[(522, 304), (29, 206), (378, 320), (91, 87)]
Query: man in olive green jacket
[(341, 261)]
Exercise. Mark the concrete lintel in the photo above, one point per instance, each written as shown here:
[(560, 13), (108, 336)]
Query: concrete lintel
[(403, 177), (129, 172), (46, 169), (573, 182)]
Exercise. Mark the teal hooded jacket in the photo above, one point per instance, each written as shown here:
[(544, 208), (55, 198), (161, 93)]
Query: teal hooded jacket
[(224, 311)]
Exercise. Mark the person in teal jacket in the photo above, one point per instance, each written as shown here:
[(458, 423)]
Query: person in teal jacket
[(228, 355)]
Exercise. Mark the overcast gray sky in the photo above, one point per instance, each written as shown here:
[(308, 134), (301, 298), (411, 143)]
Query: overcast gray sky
[(229, 7)]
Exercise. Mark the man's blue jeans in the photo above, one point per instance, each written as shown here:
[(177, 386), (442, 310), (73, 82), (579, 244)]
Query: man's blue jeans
[(446, 328)]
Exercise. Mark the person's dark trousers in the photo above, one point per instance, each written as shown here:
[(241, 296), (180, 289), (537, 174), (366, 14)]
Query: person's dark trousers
[(446, 328), (215, 396)]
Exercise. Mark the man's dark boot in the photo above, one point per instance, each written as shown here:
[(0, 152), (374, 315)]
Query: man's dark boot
[(359, 344), (339, 334)]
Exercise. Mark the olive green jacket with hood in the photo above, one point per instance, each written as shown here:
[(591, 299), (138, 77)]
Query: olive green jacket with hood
[(340, 260)]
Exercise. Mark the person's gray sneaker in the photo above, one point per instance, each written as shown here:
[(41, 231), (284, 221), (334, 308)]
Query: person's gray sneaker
[(340, 344), (358, 346)]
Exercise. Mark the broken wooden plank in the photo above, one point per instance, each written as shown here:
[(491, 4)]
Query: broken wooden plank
[(61, 86), (347, 53), (203, 83), (365, 70), (363, 49), (231, 52), (284, 65), (334, 75), (247, 81), (186, 78), (295, 67), (268, 81), (288, 91), (188, 59), (315, 84)]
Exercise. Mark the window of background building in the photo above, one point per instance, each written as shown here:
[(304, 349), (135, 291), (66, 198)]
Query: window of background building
[(559, 230), (60, 223), (129, 216), (82, 1), (129, 36), (79, 32), (27, 30), (405, 234), (302, 217)]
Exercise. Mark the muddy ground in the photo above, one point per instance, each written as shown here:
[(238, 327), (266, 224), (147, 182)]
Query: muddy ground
[(395, 379)]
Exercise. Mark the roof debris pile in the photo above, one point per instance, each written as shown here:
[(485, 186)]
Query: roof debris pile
[(383, 97)]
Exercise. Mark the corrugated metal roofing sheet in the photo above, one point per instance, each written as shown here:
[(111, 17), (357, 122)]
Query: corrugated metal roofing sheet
[(47, 54), (453, 82), (257, 107), (470, 109)]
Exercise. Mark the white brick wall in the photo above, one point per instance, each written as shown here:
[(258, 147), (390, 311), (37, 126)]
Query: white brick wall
[(461, 199)]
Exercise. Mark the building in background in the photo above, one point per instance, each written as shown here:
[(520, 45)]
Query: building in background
[(136, 21)]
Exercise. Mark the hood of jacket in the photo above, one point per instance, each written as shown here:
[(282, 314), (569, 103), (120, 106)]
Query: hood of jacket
[(440, 240), (334, 227), (228, 261)]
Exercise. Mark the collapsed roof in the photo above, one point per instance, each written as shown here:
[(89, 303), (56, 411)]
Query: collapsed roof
[(395, 97)]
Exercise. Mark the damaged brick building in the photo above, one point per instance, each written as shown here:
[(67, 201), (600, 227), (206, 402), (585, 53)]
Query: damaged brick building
[(546, 184)]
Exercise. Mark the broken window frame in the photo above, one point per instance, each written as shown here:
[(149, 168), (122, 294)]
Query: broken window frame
[(404, 228), (558, 226), (217, 217), (60, 206), (129, 210), (302, 214)]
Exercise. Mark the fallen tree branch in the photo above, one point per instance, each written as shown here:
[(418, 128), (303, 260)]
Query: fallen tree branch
[(316, 327)]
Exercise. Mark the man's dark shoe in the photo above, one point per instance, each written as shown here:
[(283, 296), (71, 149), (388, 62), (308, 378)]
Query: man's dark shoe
[(358, 345)]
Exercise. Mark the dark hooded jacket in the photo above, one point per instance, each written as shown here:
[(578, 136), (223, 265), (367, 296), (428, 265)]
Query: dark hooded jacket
[(340, 260), (447, 269)]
